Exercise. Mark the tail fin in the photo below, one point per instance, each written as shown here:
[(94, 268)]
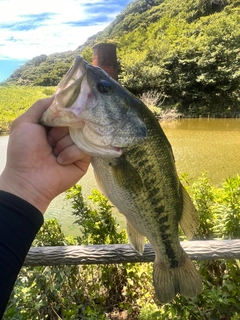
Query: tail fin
[(169, 282)]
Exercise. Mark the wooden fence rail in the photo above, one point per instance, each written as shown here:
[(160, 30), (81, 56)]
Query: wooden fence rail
[(122, 253)]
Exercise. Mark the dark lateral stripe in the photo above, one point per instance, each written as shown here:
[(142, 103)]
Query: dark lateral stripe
[(170, 253)]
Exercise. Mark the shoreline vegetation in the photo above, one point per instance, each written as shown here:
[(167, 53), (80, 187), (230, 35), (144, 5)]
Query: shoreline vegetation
[(154, 100), (125, 291), (14, 100)]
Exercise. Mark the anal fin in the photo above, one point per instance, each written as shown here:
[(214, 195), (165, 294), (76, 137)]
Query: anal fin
[(189, 221)]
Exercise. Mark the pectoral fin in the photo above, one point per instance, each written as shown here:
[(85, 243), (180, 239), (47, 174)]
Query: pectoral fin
[(189, 221), (126, 175), (136, 239)]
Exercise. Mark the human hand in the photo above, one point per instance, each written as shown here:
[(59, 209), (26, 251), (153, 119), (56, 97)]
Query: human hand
[(41, 164)]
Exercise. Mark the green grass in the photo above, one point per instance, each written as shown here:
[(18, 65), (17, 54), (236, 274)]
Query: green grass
[(14, 100)]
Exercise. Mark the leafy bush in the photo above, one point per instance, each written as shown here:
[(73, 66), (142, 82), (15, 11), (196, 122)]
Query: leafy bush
[(80, 292), (97, 225), (125, 291)]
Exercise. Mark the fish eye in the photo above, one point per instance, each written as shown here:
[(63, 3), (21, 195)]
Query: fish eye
[(104, 86)]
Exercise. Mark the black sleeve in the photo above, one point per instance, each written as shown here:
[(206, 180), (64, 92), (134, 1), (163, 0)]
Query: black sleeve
[(19, 224)]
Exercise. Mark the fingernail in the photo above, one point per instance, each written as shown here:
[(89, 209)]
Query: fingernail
[(60, 159), (50, 141)]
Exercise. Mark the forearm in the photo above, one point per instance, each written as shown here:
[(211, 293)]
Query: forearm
[(19, 224)]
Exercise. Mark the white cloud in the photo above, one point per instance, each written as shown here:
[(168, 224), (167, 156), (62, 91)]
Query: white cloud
[(32, 27)]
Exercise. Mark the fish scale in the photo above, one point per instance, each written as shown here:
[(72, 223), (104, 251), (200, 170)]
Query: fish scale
[(134, 166), (155, 225)]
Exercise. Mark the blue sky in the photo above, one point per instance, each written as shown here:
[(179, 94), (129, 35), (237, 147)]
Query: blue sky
[(29, 28)]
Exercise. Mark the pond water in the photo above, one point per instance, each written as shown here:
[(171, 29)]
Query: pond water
[(211, 145)]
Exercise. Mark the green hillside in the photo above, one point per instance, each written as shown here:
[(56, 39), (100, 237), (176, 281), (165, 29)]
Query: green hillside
[(187, 50), (14, 100)]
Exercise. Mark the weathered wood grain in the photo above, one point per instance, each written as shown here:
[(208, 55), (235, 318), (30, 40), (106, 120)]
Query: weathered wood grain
[(122, 253)]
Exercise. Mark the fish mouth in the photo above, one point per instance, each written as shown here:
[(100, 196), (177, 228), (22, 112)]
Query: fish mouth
[(63, 110), (94, 128)]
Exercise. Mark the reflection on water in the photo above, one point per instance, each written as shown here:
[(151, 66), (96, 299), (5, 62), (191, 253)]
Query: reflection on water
[(205, 124), (211, 145)]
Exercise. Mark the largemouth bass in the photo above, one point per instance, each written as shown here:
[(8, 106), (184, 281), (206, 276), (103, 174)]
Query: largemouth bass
[(134, 167)]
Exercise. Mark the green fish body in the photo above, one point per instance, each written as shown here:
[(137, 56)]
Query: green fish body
[(134, 167)]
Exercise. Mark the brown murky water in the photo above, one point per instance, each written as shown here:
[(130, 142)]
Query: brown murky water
[(211, 145)]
